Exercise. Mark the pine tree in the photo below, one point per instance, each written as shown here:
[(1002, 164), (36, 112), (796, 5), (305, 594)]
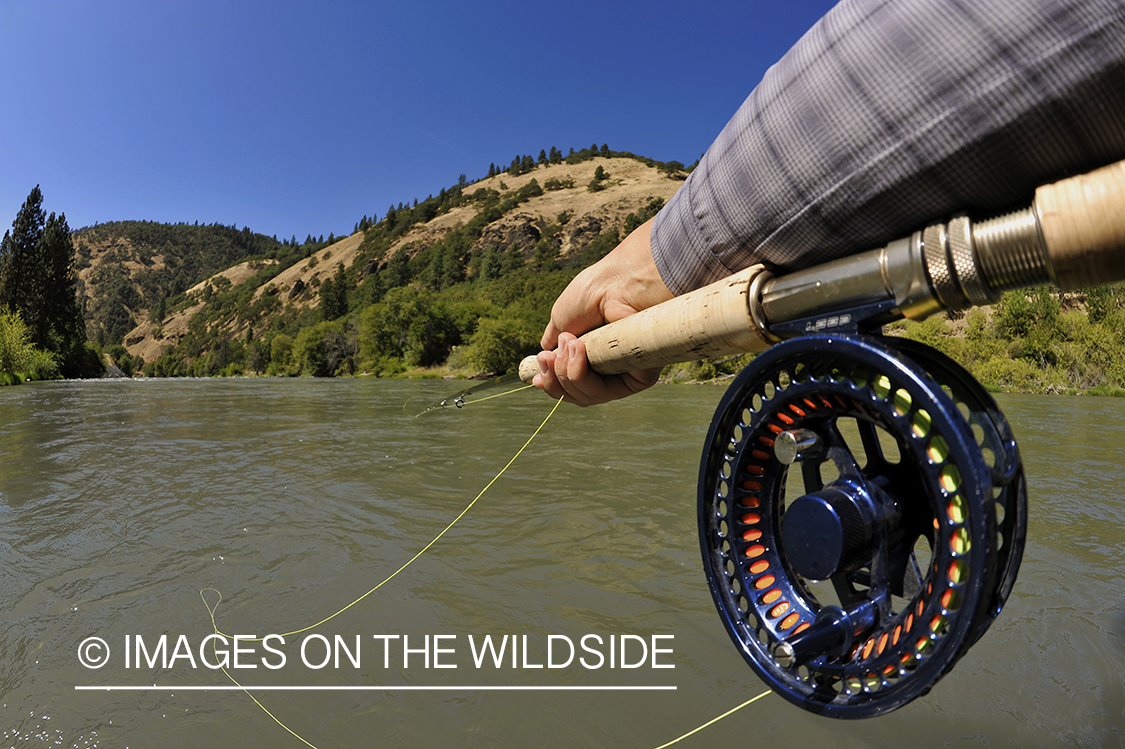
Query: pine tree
[(513, 259), (490, 264), (37, 280), (398, 270), (334, 295), (18, 276), (600, 175)]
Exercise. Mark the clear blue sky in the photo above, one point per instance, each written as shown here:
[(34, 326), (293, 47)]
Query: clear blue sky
[(297, 118)]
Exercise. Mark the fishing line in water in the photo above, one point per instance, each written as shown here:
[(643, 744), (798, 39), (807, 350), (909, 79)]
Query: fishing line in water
[(266, 710), (409, 561), (459, 402), (212, 608), (716, 719)]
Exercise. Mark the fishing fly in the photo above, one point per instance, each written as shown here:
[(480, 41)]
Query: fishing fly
[(510, 383)]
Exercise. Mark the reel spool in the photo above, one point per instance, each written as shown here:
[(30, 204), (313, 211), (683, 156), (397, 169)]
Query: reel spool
[(862, 516)]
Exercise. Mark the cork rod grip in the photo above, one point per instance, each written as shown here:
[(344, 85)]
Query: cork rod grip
[(714, 320), (1083, 224)]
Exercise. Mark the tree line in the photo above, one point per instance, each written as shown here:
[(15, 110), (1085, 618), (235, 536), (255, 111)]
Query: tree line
[(1036, 340), (523, 164)]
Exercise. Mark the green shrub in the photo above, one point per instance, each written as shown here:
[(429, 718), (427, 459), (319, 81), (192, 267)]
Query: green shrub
[(1015, 315), (498, 346), (18, 357), (325, 350), (281, 352), (599, 247), (976, 325), (706, 369), (1015, 375), (1100, 301), (409, 324), (166, 365), (1112, 392), (935, 332), (557, 184), (15, 343), (385, 366)]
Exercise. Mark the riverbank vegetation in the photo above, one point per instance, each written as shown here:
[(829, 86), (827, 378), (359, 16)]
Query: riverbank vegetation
[(1037, 341), (20, 359)]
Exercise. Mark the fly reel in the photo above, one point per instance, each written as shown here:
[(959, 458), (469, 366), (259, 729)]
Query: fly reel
[(862, 516)]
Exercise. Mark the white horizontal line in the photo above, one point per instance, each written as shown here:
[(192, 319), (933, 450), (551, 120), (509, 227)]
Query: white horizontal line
[(274, 688)]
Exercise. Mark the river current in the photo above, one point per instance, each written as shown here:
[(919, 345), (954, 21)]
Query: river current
[(120, 501)]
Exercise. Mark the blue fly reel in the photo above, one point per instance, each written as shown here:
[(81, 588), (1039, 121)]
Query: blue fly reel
[(862, 516)]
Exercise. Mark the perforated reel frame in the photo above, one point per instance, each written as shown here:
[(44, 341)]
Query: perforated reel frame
[(933, 449)]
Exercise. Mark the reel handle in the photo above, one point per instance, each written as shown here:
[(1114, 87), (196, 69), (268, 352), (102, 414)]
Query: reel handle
[(714, 320)]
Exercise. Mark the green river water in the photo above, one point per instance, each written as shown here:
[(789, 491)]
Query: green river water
[(121, 501)]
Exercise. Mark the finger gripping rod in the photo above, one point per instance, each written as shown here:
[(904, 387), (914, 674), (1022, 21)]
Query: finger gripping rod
[(1072, 235)]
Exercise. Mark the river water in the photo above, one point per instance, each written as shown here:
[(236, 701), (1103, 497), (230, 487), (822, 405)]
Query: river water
[(121, 501)]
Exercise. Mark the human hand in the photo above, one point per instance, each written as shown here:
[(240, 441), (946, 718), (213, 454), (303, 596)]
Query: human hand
[(621, 284)]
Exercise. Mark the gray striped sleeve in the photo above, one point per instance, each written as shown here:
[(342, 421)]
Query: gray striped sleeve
[(891, 113)]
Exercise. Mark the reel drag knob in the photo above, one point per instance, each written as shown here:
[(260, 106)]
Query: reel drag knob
[(824, 534)]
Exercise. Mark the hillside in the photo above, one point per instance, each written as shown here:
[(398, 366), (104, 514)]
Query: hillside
[(198, 309), (465, 280), (126, 268), (629, 187)]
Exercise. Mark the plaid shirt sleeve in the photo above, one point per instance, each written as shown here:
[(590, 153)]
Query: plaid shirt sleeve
[(891, 113)]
